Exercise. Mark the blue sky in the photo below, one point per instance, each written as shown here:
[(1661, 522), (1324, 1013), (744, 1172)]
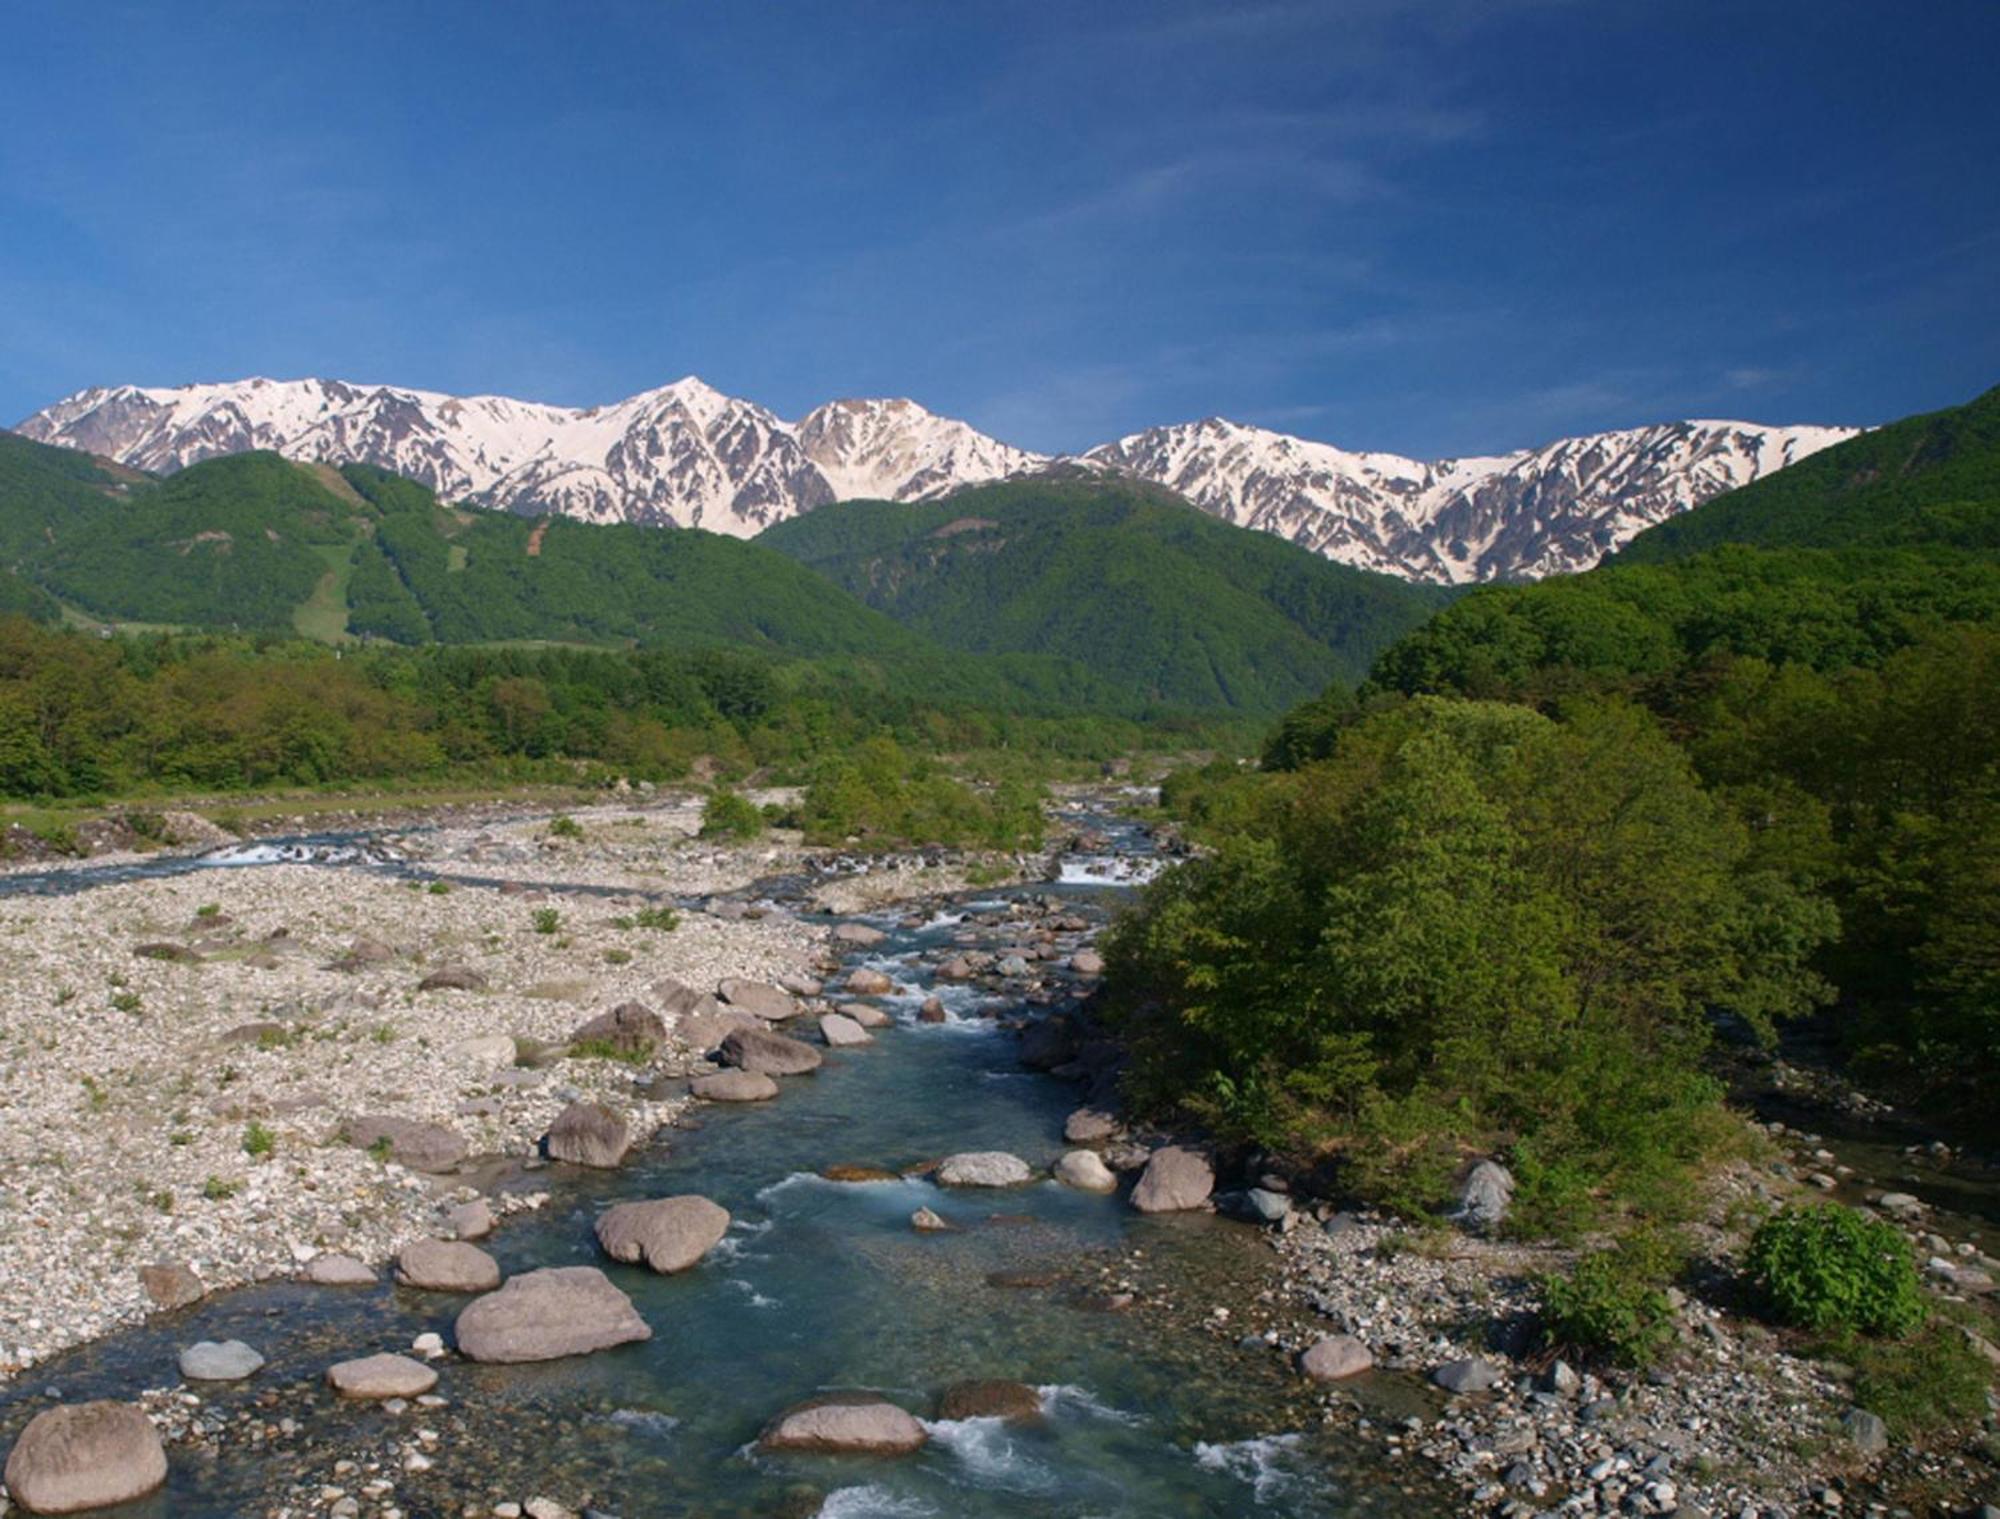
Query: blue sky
[(1436, 228)]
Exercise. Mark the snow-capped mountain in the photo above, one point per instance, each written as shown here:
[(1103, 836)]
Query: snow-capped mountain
[(1538, 512), (688, 455)]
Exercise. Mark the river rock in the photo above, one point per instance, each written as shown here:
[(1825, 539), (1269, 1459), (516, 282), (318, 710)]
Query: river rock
[(866, 1014), (173, 954), (1087, 962), (1267, 1206), (858, 1424), (860, 934), (171, 1285), (443, 1265), (669, 1234), (1471, 1375), (932, 1011), (983, 1168), (1175, 1181), (759, 1000), (758, 1049), (218, 1361), (421, 1146), (631, 1031), (1086, 1171), (85, 1455), (589, 1134), (677, 999), (734, 1086), (1868, 1433), (473, 1220), (332, 1270), (842, 1032), (1335, 1358), (800, 985), (703, 1031), (453, 978), (865, 982), (545, 1315), (1089, 1126), (485, 1050), (929, 1221), (381, 1376), (991, 1399), (1484, 1197), (957, 968), (1048, 1043)]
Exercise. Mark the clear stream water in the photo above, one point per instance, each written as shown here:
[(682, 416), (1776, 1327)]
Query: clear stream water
[(819, 1285)]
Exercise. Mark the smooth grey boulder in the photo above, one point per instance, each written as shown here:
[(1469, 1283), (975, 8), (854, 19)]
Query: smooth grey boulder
[(1088, 1126), (759, 1000), (858, 934), (734, 1086), (473, 1220), (758, 1049), (1471, 1375), (846, 1424), (82, 1456), (703, 1031), (1868, 1433), (842, 1032), (630, 1031), (983, 1168), (381, 1376), (333, 1270), (865, 1013), (867, 982), (548, 1314), (446, 1265), (421, 1146), (1174, 1181), (218, 1361), (589, 1134), (669, 1234), (1484, 1196), (1086, 1171), (1266, 1205), (1335, 1358)]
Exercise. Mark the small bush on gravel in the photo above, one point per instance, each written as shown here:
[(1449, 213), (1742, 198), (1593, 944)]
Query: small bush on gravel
[(1930, 1380), (258, 1141), (547, 920), (1828, 1267), (725, 815), (565, 827), (218, 1189), (1614, 1303)]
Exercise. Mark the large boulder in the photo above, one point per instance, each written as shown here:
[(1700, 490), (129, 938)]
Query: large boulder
[(759, 1000), (420, 1146), (85, 1455), (734, 1086), (846, 1424), (703, 1031), (1484, 1196), (758, 1049), (983, 1168), (589, 1134), (630, 1031), (1174, 1181), (1335, 1358), (1086, 1171), (545, 1315), (842, 1032), (447, 1265), (669, 1234), (218, 1361), (381, 1376)]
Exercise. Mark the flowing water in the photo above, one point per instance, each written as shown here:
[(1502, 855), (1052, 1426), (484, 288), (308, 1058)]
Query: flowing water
[(819, 1285)]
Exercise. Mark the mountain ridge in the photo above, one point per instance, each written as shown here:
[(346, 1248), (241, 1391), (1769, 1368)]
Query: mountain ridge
[(688, 455)]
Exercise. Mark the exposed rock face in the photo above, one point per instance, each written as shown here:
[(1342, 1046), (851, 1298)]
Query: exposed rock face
[(545, 1315), (734, 1086), (589, 1134), (756, 1049), (439, 1265), (983, 1168), (420, 1146), (381, 1376), (669, 1234), (83, 1456), (631, 1031), (857, 1424), (1174, 1181), (1335, 1358)]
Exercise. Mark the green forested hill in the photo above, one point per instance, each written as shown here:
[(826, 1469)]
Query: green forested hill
[(1933, 478), (1129, 579)]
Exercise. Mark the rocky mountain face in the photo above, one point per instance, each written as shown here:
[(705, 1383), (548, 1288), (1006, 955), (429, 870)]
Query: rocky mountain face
[(688, 455)]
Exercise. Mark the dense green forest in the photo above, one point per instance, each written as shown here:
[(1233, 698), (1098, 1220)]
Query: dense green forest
[(1772, 770), (1158, 597)]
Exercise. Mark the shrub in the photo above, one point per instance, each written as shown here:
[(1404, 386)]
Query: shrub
[(1932, 1379), (258, 1141), (1828, 1267), (1614, 1303), (725, 815), (563, 826), (219, 1189), (547, 920)]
